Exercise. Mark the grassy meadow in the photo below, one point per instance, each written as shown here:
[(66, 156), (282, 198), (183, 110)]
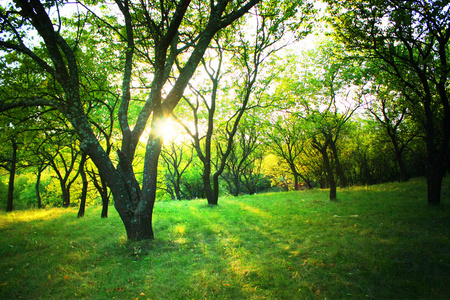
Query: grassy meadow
[(375, 242)]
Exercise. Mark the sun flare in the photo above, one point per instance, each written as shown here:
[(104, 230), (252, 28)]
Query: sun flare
[(168, 129)]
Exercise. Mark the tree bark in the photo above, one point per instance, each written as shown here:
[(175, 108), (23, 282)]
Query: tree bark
[(209, 190), (296, 185), (339, 170), (215, 188), (105, 202), (404, 176), (102, 189), (323, 148), (206, 178), (330, 175), (435, 171), (436, 152), (434, 184), (38, 193), (138, 224), (177, 190), (65, 194), (85, 186)]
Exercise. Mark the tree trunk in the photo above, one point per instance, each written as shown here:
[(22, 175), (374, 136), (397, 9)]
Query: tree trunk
[(437, 148), (12, 174), (206, 175), (237, 184), (323, 149), (434, 184), (65, 194), (215, 188), (434, 173), (85, 186), (330, 176), (209, 191), (102, 189), (137, 217), (307, 182), (404, 176), (434, 165), (296, 185), (138, 223), (135, 212), (339, 170), (38, 192), (177, 190), (105, 204)]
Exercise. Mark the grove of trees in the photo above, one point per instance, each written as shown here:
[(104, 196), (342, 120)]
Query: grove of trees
[(88, 90)]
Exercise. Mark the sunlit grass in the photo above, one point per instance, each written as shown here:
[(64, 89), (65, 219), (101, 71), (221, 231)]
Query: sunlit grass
[(379, 242), (31, 215)]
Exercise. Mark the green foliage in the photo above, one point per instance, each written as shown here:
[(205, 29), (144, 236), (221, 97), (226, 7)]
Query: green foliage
[(50, 191), (3, 187), (24, 189), (410, 43), (277, 171), (378, 242)]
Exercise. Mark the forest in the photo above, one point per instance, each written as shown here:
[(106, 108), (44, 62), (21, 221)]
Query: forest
[(131, 103)]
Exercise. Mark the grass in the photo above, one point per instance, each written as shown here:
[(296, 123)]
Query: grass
[(376, 242)]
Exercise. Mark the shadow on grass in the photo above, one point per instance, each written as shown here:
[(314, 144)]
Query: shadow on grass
[(280, 246)]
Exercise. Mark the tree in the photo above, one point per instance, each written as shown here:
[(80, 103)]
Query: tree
[(321, 139), (240, 166), (64, 162), (14, 131), (411, 41), (18, 128), (161, 38), (253, 176), (41, 163), (287, 139), (102, 189), (334, 83), (249, 51), (176, 161), (395, 119), (325, 90)]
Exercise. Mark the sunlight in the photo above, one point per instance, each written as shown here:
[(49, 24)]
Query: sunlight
[(168, 129)]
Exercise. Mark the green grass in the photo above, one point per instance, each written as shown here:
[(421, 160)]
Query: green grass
[(295, 245)]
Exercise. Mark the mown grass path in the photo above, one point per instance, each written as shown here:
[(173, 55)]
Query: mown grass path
[(377, 242)]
